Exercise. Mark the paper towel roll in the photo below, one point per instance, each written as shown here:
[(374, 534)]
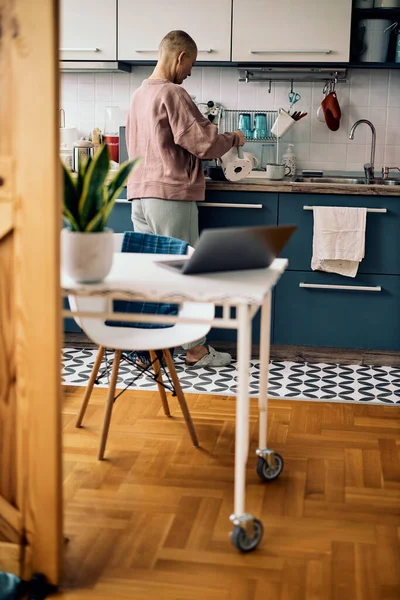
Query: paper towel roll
[(68, 135), (235, 168)]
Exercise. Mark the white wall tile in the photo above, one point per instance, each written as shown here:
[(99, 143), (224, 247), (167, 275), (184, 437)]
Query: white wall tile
[(393, 116), (86, 88), (69, 87), (194, 84), (71, 114), (356, 153), (337, 152), (394, 88), (247, 94), (265, 99), (281, 95), (211, 84), (359, 92), (378, 91), (121, 90), (103, 87), (229, 88), (319, 152), (368, 94), (393, 136)]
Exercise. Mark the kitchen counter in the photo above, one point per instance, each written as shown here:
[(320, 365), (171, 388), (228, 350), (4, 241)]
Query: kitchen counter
[(287, 187), (265, 185)]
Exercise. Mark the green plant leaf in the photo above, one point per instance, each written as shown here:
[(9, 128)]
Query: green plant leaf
[(69, 217), (98, 221), (116, 185), (71, 199), (91, 199), (118, 181)]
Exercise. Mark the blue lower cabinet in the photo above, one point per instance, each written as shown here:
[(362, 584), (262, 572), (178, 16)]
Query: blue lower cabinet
[(337, 317), (238, 209), (120, 218), (230, 335), (70, 325), (382, 239)]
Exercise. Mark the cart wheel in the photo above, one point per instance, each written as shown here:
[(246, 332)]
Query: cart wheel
[(242, 541), (267, 473)]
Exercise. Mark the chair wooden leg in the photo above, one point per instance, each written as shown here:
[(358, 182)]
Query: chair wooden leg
[(159, 379), (109, 404), (89, 388), (180, 396)]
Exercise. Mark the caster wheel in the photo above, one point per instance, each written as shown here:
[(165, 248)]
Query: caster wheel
[(267, 473), (242, 541)]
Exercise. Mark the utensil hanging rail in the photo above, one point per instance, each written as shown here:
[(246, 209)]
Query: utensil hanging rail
[(299, 75)]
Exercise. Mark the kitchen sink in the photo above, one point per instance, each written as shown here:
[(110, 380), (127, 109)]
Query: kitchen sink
[(337, 180), (385, 182), (345, 180)]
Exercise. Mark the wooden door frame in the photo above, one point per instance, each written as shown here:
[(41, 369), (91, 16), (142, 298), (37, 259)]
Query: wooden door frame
[(31, 315)]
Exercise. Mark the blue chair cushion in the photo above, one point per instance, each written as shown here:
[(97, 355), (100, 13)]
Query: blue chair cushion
[(150, 244)]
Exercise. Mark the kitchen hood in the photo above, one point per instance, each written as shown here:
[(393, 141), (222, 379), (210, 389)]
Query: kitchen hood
[(94, 66)]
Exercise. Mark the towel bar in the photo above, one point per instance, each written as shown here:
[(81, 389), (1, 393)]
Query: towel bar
[(371, 210)]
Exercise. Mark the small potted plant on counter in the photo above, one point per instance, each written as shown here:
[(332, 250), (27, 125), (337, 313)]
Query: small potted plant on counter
[(86, 244)]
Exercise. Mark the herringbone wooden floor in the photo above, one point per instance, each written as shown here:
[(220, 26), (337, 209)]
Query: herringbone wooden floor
[(151, 521)]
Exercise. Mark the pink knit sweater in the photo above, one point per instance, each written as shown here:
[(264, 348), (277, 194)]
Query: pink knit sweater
[(168, 131)]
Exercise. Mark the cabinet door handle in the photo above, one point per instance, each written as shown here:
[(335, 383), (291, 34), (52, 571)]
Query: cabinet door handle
[(327, 51), (79, 49), (357, 288), (207, 50), (229, 205), (370, 210)]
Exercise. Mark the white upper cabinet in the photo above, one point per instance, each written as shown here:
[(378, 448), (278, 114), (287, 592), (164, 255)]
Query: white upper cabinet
[(313, 31), (88, 30), (143, 23)]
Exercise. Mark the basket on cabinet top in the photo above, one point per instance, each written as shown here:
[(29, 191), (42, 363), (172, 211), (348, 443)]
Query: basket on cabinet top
[(231, 120)]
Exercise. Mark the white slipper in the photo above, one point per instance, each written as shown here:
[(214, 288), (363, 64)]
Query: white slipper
[(213, 358)]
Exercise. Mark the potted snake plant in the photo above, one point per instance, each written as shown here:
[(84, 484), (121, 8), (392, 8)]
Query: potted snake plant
[(86, 243)]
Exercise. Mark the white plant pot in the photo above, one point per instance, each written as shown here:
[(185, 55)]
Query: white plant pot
[(87, 257)]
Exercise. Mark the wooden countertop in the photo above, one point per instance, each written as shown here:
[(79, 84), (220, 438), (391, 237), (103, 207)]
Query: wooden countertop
[(255, 185)]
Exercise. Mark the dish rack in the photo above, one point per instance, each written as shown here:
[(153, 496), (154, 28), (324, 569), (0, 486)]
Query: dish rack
[(229, 121)]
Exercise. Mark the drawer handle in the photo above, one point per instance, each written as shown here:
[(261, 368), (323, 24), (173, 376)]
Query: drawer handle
[(229, 205), (79, 49), (357, 288), (327, 51), (371, 210), (207, 50)]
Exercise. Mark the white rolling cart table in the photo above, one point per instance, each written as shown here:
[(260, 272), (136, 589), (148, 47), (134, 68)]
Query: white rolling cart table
[(139, 277)]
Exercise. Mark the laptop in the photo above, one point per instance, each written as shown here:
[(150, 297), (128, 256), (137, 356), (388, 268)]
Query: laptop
[(233, 249)]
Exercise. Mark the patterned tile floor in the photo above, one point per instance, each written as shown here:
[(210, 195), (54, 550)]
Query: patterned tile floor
[(300, 381)]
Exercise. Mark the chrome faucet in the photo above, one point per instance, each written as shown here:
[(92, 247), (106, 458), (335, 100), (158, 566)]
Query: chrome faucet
[(369, 168)]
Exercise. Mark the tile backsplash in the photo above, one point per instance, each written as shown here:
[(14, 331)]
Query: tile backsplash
[(370, 94)]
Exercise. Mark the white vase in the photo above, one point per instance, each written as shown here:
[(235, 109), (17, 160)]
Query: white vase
[(87, 257)]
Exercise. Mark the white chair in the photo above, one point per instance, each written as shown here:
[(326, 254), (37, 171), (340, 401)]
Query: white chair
[(125, 338)]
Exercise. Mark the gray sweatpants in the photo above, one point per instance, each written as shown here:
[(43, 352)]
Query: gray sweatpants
[(173, 218)]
